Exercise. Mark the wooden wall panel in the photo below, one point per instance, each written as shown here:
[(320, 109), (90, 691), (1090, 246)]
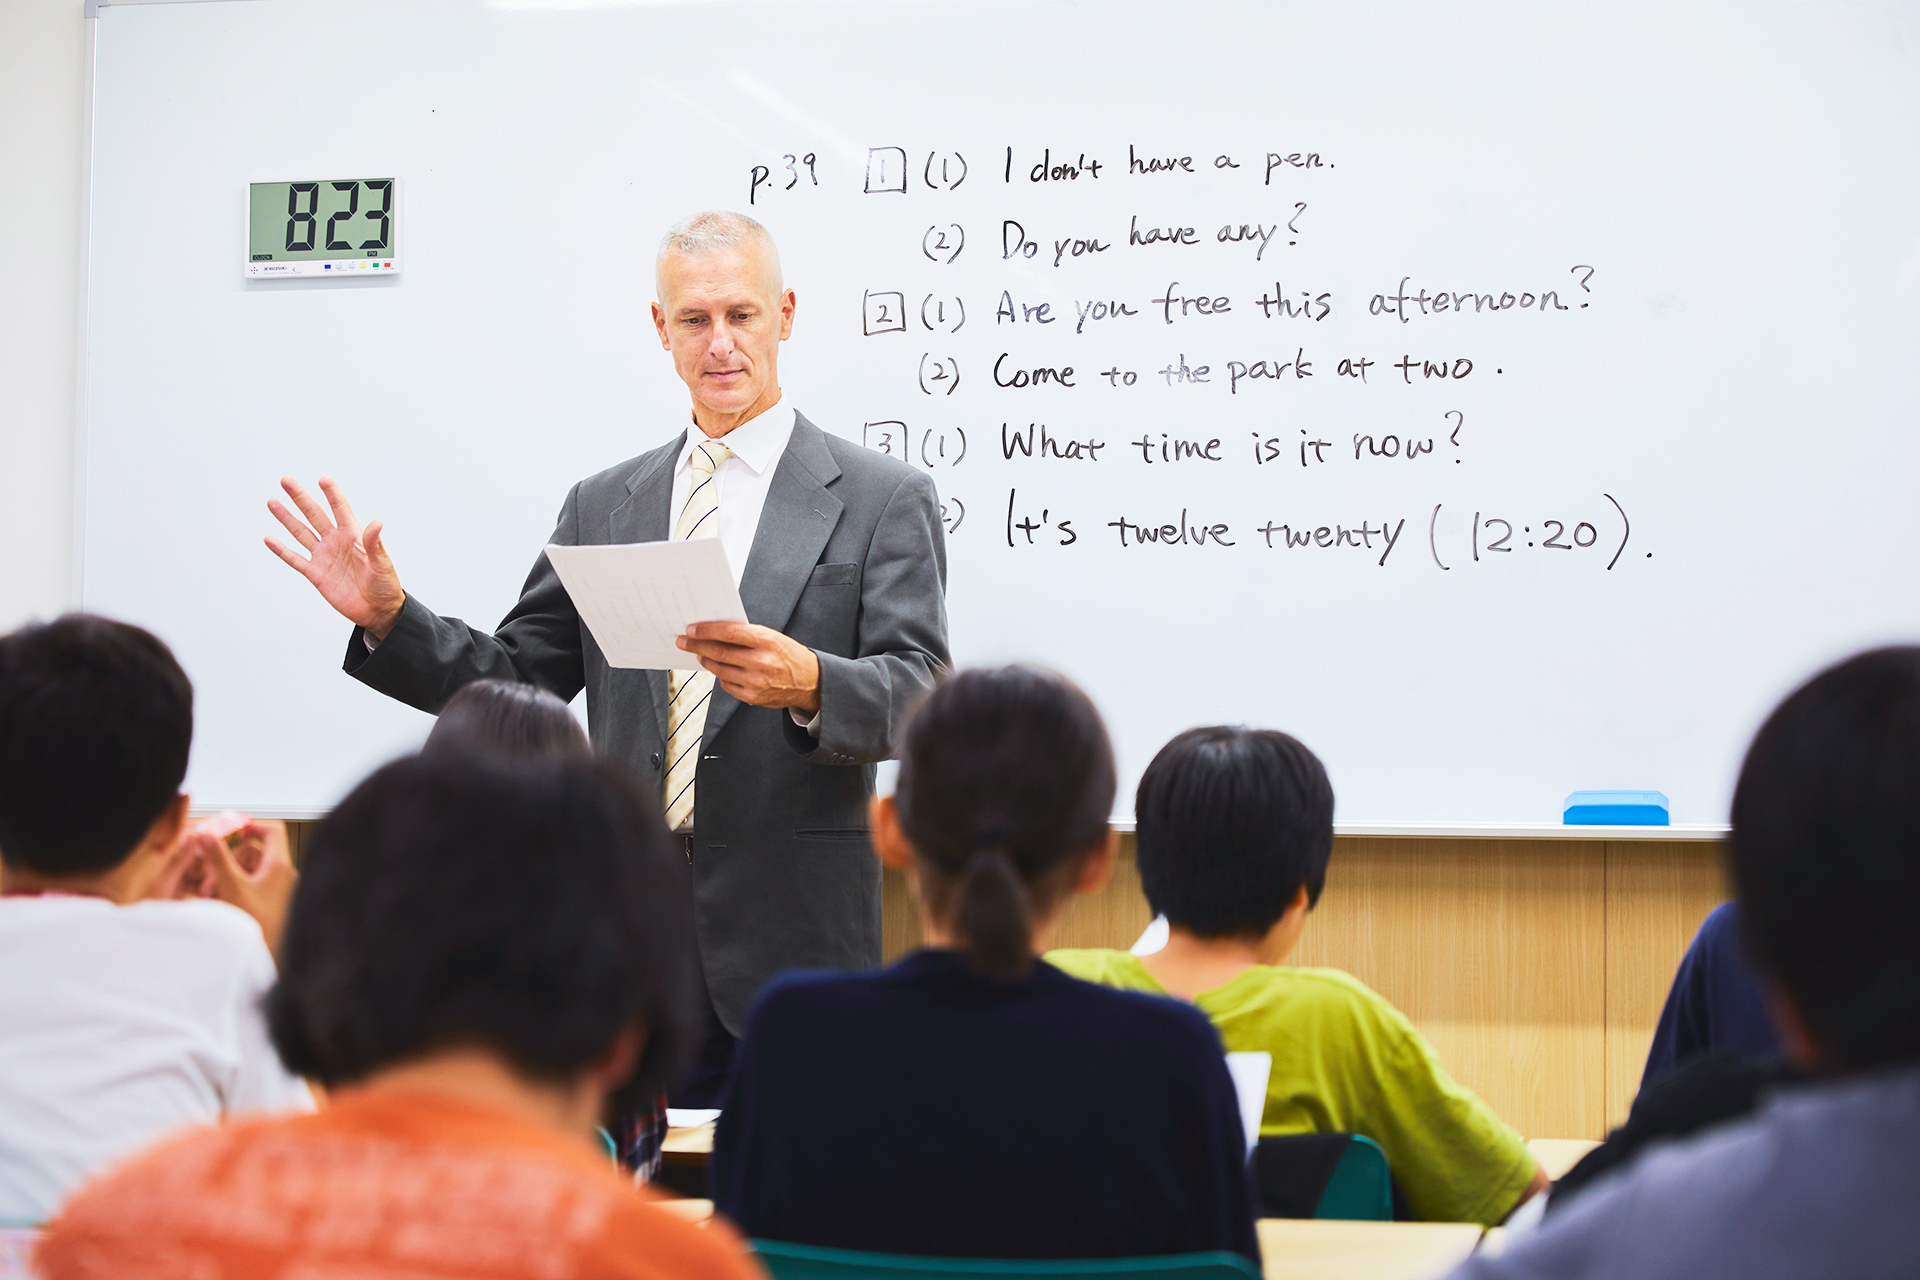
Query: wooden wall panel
[(1537, 968), (1657, 894), (1495, 950), (899, 925), (300, 835), (1113, 917)]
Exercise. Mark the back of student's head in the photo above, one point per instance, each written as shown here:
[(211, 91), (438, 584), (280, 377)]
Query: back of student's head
[(1231, 824), (1006, 779), (96, 719), (507, 715), (1826, 857), (533, 907)]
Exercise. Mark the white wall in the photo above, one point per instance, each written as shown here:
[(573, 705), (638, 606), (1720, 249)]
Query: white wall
[(42, 74)]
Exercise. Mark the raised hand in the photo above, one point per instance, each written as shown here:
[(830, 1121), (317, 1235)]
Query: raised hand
[(346, 564)]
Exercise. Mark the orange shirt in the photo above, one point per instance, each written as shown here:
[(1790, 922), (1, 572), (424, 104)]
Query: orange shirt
[(382, 1185)]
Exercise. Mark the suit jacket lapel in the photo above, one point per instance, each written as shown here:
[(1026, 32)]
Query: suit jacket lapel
[(798, 518), (645, 517)]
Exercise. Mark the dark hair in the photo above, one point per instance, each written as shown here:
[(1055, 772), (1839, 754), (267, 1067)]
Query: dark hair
[(1005, 777), (1826, 856), (534, 907), (1231, 823), (508, 715), (96, 719)]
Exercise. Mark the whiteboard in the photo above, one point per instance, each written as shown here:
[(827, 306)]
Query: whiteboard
[(1679, 243)]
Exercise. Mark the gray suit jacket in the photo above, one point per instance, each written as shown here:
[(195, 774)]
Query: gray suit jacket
[(849, 560)]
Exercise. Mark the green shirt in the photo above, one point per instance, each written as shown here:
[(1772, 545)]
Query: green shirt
[(1346, 1061)]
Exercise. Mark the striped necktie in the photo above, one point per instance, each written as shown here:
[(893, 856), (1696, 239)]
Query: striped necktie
[(691, 691)]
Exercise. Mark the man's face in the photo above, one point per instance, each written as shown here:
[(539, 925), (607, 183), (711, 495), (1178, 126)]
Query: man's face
[(723, 320)]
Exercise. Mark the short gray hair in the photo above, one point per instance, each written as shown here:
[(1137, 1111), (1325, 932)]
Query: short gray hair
[(717, 231)]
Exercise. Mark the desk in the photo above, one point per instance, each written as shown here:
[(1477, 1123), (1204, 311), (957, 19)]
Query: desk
[(698, 1212), (1314, 1249), (1557, 1155), (687, 1146)]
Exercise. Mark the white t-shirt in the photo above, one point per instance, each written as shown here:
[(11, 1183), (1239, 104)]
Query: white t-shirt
[(119, 1025)]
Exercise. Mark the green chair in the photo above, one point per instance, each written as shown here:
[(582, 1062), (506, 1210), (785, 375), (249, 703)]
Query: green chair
[(1360, 1185), (1322, 1175), (805, 1262)]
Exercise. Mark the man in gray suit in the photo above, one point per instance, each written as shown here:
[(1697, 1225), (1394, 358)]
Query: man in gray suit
[(765, 757)]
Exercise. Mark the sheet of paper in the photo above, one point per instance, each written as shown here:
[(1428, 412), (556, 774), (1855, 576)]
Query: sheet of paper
[(638, 597), (1153, 938), (1250, 1070), (690, 1118)]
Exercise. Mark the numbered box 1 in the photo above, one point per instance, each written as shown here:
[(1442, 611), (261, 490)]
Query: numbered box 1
[(883, 313), (886, 170)]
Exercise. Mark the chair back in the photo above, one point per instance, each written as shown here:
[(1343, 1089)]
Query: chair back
[(808, 1262), (1361, 1185), (1323, 1175)]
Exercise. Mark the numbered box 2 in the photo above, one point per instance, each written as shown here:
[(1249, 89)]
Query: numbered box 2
[(883, 313)]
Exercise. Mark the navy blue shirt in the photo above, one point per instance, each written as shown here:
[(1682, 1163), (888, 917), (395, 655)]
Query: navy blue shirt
[(1715, 1005), (926, 1109)]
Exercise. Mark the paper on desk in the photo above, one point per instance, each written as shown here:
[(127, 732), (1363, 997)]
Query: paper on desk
[(691, 1118), (1250, 1069), (638, 597)]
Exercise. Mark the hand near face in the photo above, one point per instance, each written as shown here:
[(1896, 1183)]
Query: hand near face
[(252, 869), (757, 664)]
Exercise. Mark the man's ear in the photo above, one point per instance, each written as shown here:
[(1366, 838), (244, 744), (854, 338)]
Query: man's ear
[(165, 829), (1280, 940), (890, 843), (660, 326), (788, 301), (1796, 1043), (1098, 864), (616, 1066)]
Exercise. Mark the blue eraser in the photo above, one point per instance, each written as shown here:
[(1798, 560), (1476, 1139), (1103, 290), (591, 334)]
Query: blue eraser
[(1616, 808)]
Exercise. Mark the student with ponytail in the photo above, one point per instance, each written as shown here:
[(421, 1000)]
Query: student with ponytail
[(971, 1100)]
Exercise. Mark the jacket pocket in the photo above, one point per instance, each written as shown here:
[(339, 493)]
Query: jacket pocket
[(843, 834), (834, 575)]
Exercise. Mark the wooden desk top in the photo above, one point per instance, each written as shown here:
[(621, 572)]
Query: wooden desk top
[(698, 1212), (1557, 1155), (688, 1146), (1320, 1249)]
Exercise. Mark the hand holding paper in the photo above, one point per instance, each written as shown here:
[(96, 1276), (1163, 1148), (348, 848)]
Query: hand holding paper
[(757, 664), (639, 598)]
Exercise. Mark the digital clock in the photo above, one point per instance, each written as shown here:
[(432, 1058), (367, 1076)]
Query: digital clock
[(328, 227)]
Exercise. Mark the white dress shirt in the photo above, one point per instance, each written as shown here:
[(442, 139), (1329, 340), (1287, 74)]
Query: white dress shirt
[(743, 479)]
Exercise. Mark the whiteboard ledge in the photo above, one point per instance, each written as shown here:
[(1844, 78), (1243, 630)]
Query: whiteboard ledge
[(1408, 830), (285, 813), (1513, 830), (1532, 831)]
